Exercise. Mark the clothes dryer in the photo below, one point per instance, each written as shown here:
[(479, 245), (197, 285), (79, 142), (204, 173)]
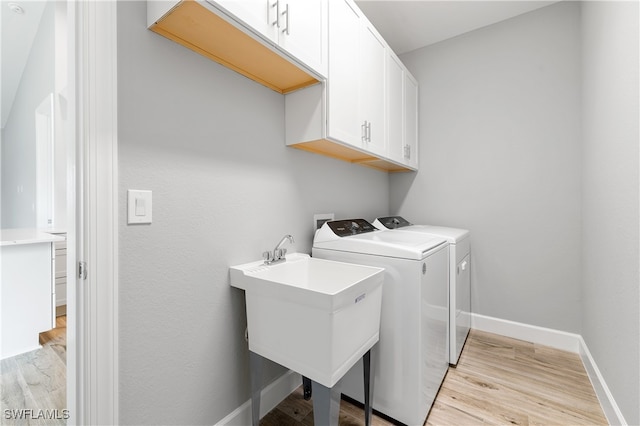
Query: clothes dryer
[(459, 275), (411, 357)]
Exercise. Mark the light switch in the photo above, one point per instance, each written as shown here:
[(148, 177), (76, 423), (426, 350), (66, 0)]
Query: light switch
[(140, 210), (138, 206)]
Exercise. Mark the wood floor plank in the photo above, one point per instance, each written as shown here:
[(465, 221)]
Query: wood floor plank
[(498, 381), (541, 384)]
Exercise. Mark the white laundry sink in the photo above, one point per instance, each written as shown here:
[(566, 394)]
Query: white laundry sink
[(314, 316)]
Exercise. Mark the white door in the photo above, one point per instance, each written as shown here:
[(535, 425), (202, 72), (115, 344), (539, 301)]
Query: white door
[(462, 307), (261, 15), (372, 89), (395, 108), (434, 324), (343, 121), (411, 121), (303, 30)]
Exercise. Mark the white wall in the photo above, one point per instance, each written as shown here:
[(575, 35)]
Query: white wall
[(611, 299), (500, 155), (210, 145), (18, 170)]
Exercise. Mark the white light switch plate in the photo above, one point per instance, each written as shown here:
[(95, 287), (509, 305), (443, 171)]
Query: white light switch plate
[(138, 206)]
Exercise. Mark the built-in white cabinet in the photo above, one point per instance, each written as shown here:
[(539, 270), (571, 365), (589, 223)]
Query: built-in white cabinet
[(371, 94), (402, 113), (259, 15), (411, 146), (356, 79), (343, 117), (395, 107), (281, 44), (60, 294), (299, 27), (346, 93), (304, 33), (358, 115), (27, 269)]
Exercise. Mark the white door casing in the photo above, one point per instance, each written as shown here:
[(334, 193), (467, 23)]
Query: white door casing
[(93, 398)]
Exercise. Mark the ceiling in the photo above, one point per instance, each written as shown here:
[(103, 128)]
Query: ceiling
[(410, 25)]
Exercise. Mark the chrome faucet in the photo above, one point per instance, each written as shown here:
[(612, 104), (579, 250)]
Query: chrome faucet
[(278, 253)]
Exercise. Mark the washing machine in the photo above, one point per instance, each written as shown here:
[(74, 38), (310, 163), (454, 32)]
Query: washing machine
[(459, 275), (412, 355)]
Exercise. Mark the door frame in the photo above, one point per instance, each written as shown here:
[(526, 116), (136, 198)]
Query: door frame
[(92, 395)]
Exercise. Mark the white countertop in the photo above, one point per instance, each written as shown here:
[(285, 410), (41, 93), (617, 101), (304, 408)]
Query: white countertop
[(26, 236)]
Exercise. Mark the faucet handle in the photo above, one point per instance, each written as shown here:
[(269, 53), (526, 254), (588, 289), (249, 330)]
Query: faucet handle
[(267, 256), (279, 253)]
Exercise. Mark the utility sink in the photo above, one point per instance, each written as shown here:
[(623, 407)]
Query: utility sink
[(314, 316)]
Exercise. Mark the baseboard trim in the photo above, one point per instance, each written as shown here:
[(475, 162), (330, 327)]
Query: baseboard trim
[(570, 342), (270, 397), (531, 333), (280, 388), (607, 402)]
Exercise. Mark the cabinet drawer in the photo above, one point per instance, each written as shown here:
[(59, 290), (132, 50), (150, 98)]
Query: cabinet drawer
[(61, 265), (61, 245)]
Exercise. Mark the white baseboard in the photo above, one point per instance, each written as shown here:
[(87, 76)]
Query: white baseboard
[(560, 340), (544, 336), (609, 406), (270, 397), (279, 389)]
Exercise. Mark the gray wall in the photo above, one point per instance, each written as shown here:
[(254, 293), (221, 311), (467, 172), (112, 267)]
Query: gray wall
[(611, 317), (18, 169), (210, 145), (499, 155)]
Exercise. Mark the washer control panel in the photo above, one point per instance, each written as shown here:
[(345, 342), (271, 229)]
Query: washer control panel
[(348, 227), (394, 222)]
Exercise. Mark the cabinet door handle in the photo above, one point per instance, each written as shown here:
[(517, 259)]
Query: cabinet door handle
[(286, 12), (369, 132), (277, 6), (363, 132)]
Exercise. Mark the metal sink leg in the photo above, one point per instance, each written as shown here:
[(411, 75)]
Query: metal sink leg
[(255, 371)]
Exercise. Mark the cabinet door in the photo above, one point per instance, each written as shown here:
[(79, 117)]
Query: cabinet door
[(343, 120), (395, 108), (303, 32), (260, 15), (372, 89), (411, 121)]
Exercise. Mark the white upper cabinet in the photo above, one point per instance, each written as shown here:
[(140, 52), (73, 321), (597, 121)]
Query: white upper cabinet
[(347, 95), (258, 15), (303, 32), (343, 85), (281, 44), (371, 94), (410, 151), (358, 114), (395, 108), (402, 113), (299, 27), (356, 79)]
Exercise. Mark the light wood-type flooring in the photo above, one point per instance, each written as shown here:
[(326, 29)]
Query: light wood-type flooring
[(498, 381), (36, 381)]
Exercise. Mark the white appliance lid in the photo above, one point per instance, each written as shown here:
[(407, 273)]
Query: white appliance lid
[(359, 236), (398, 223)]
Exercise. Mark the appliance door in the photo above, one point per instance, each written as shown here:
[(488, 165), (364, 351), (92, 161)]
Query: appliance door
[(434, 327), (462, 308)]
